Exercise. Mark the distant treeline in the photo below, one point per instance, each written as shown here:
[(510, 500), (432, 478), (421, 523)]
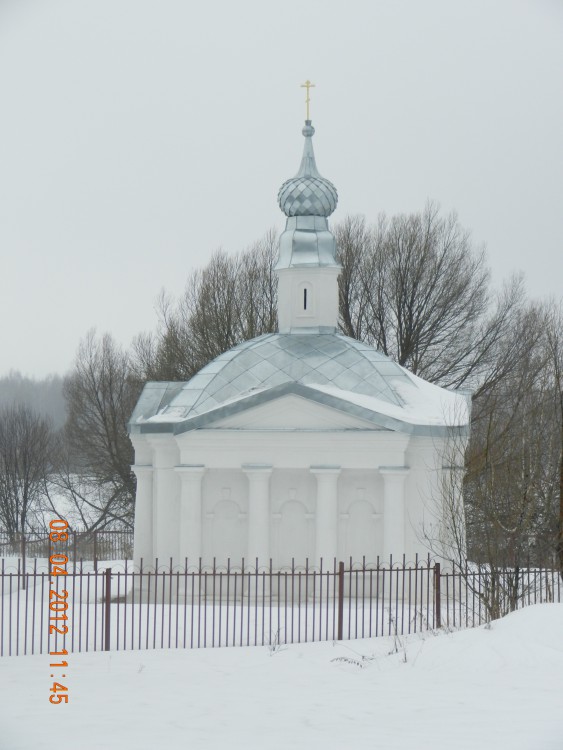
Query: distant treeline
[(44, 396)]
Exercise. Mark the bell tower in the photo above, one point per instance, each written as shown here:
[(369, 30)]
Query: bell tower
[(307, 267)]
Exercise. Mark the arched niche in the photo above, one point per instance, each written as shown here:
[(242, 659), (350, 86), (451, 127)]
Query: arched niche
[(228, 536), (293, 535)]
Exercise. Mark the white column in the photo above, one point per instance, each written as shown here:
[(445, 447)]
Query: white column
[(258, 513), (166, 503), (142, 540), (190, 513), (326, 540), (394, 511)]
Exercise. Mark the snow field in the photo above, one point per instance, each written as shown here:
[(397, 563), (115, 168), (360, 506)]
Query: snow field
[(489, 688)]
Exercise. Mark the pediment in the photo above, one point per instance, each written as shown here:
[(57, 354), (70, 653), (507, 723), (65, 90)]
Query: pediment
[(293, 412), (285, 407)]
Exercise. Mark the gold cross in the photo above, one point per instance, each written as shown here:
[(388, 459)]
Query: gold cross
[(307, 85)]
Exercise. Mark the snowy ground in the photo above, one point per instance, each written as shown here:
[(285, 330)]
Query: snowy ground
[(481, 689)]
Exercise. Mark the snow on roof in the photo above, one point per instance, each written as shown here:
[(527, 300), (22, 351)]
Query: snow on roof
[(323, 363), (423, 403)]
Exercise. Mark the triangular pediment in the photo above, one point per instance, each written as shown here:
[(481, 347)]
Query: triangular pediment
[(293, 412), (289, 406)]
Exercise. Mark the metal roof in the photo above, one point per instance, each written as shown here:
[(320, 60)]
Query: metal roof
[(273, 359), (325, 367)]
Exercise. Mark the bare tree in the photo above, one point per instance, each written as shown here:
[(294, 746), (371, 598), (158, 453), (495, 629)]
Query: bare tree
[(25, 463), (514, 454), (101, 393), (554, 333), (414, 287), (511, 476), (357, 244), (231, 299)]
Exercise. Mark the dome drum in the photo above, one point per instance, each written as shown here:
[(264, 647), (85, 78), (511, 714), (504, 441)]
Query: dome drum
[(307, 241)]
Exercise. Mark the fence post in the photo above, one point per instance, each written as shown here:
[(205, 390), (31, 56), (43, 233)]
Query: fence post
[(95, 552), (107, 613), (437, 596), (340, 600)]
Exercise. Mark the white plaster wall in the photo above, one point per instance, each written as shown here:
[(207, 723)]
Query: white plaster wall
[(423, 500), (293, 413), (225, 517), (360, 500), (433, 458), (297, 450), (322, 298), (293, 502)]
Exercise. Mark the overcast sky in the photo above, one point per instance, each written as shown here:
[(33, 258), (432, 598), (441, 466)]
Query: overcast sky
[(138, 136)]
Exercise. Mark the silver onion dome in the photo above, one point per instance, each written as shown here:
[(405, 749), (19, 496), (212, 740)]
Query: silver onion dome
[(308, 194)]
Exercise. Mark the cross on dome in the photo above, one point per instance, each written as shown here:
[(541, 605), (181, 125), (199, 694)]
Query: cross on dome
[(308, 85)]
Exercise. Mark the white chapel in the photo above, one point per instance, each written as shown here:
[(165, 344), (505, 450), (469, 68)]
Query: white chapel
[(301, 444)]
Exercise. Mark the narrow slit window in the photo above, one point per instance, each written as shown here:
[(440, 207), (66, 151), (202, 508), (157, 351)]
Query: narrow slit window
[(304, 299)]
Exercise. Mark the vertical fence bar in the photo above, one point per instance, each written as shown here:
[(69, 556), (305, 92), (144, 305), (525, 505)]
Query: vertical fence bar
[(340, 600), (328, 594), (306, 597), (320, 605), (350, 600), (2, 627), (370, 599), (18, 613), (33, 607), (74, 536), (256, 607), (363, 594), (107, 613), (88, 629), (242, 602), (437, 597), (24, 560), (314, 602), (356, 597), (299, 608), (403, 572), (270, 600)]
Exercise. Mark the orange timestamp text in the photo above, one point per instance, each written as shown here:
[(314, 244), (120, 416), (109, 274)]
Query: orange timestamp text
[(58, 606)]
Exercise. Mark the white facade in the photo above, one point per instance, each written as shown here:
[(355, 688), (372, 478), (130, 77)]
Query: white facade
[(285, 480)]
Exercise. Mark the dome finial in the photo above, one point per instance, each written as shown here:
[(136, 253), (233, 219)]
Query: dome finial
[(308, 85), (307, 194)]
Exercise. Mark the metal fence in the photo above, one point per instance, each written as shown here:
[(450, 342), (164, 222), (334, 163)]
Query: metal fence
[(89, 610), (81, 545)]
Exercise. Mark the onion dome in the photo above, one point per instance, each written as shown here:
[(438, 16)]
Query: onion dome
[(308, 194)]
